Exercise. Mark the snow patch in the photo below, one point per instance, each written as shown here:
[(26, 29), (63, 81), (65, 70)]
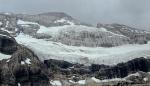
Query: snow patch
[(1, 23), (8, 60), (56, 83), (3, 56), (52, 31), (7, 23), (145, 79), (21, 22), (7, 13), (112, 80), (27, 61), (64, 21), (22, 62), (19, 84), (108, 80), (81, 82), (135, 74), (103, 29), (94, 79)]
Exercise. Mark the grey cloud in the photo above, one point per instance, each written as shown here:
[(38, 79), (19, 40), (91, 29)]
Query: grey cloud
[(131, 12)]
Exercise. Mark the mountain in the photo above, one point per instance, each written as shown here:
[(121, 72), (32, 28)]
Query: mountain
[(73, 41), (42, 48), (49, 19), (60, 27)]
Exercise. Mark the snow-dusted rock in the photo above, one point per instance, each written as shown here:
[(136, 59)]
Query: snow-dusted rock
[(89, 37), (136, 35)]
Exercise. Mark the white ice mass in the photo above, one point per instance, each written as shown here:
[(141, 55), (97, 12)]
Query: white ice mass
[(110, 56)]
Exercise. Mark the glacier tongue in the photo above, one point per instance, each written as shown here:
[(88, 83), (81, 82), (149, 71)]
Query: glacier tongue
[(110, 56)]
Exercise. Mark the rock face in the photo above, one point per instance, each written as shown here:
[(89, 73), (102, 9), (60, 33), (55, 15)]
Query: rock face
[(123, 69), (8, 45), (135, 35), (101, 72), (23, 68)]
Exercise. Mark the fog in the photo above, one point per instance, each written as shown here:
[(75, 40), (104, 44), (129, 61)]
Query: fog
[(129, 12)]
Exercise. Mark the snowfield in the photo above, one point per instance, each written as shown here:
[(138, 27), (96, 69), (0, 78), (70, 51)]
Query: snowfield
[(64, 21), (54, 31), (110, 56)]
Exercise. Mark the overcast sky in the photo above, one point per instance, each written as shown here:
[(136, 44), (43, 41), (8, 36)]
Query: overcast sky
[(130, 12)]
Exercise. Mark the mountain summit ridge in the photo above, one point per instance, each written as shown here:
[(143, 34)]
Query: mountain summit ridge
[(61, 27)]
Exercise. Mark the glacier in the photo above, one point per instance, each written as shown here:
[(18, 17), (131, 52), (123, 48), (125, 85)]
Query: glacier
[(46, 49)]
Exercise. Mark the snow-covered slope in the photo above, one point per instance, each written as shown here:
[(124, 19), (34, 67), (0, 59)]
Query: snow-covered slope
[(78, 35), (110, 56)]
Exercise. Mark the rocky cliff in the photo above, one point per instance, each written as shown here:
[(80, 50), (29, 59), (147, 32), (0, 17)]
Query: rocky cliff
[(23, 67)]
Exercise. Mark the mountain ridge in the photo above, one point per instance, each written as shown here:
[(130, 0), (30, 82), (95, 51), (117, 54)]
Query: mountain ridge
[(37, 52)]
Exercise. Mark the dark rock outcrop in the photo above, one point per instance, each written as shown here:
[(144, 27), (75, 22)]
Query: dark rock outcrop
[(8, 45), (123, 69), (58, 63), (23, 68), (120, 70)]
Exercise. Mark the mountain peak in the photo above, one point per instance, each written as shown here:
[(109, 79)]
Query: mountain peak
[(57, 14)]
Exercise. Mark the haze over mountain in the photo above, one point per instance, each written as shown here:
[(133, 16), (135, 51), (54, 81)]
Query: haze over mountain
[(134, 13), (53, 43)]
